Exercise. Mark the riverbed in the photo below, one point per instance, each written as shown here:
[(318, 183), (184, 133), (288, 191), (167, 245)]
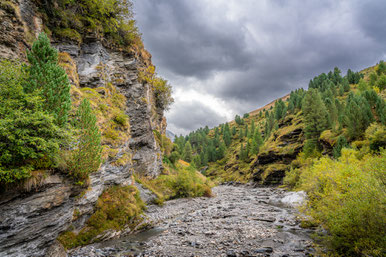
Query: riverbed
[(240, 220)]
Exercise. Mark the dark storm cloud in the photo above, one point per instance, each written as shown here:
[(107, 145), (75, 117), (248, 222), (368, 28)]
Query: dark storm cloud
[(190, 115), (248, 52), (182, 40)]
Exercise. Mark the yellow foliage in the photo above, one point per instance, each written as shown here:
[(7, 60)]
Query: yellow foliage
[(348, 198)]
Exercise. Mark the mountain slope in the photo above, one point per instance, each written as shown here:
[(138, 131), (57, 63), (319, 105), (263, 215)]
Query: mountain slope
[(264, 144)]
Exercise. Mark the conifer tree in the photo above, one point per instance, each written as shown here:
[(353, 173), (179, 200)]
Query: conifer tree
[(315, 114), (197, 161), (341, 143), (381, 68), (241, 134), (188, 155), (227, 138), (242, 152), (221, 151), (233, 130), (357, 115), (49, 78), (86, 157), (315, 119)]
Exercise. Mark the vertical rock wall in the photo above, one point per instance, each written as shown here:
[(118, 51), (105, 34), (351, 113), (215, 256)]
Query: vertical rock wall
[(31, 221)]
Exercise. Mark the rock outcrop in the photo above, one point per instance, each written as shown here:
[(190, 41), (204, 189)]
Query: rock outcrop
[(31, 221)]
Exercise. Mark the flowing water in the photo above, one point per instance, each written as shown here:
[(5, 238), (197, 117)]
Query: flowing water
[(239, 220)]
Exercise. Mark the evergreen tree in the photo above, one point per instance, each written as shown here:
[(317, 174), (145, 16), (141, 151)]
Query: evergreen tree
[(188, 155), (373, 78), (197, 161), (315, 115), (381, 68), (49, 78), (246, 131), (241, 134), (341, 143), (357, 115), (380, 108), (227, 138), (221, 151), (332, 112), (86, 157), (242, 153), (204, 159), (346, 85), (233, 130)]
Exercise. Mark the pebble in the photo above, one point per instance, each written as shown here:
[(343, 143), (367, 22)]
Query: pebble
[(237, 222)]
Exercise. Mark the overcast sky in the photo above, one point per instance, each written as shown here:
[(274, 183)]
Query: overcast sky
[(227, 57)]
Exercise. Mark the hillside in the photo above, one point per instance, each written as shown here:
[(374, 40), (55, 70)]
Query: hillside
[(264, 144)]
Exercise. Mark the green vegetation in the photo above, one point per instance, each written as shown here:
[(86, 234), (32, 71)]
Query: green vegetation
[(177, 181), (29, 137), (116, 209), (347, 197), (162, 89), (49, 79), (86, 157), (35, 130), (108, 19)]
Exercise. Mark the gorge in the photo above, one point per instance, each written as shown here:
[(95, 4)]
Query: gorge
[(301, 176)]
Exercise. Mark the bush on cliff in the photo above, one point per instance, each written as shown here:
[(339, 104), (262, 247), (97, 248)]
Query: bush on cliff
[(29, 137), (86, 157), (116, 209)]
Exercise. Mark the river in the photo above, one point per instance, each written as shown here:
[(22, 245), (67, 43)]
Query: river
[(240, 220)]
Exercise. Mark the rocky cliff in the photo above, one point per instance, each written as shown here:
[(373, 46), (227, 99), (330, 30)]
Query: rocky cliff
[(31, 219)]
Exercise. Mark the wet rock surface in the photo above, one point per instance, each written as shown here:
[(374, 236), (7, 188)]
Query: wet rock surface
[(239, 221)]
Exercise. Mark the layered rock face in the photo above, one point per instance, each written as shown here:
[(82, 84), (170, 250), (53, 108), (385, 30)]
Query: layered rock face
[(31, 221)]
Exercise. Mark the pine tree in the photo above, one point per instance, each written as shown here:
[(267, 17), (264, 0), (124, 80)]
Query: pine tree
[(197, 161), (315, 115), (357, 115), (246, 131), (221, 151), (233, 130), (341, 143), (227, 138), (86, 157), (188, 155), (242, 152), (381, 68), (49, 78)]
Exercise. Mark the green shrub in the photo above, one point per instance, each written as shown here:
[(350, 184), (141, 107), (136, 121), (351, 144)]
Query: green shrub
[(185, 182), (27, 133), (348, 198), (111, 19), (116, 208), (86, 157)]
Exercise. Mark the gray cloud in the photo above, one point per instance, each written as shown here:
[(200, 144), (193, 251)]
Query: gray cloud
[(188, 116), (248, 53)]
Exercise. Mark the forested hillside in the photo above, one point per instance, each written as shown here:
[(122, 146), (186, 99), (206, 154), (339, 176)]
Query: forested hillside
[(334, 112)]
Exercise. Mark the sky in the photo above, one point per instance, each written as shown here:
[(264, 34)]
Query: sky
[(228, 57)]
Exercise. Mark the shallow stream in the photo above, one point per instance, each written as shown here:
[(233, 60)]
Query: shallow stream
[(239, 220)]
